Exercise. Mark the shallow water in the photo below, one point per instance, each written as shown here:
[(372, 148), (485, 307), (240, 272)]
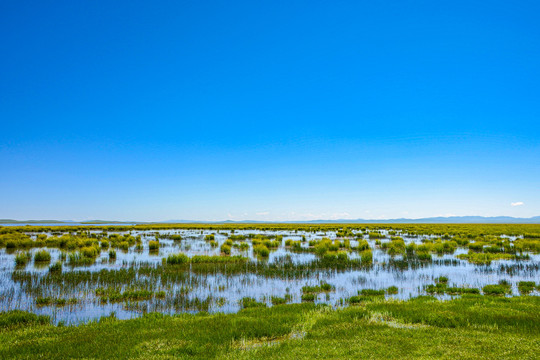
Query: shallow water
[(217, 292)]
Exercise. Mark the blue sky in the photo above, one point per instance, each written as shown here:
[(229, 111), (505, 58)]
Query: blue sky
[(272, 110)]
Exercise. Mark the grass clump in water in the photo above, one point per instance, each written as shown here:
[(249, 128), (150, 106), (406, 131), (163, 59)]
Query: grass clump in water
[(56, 267), (371, 292), (177, 259), (322, 287), (500, 289), (248, 302), (113, 295), (487, 258), (276, 300), (226, 249), (153, 245), (261, 250), (22, 258), (42, 256), (526, 287), (462, 291), (48, 301), (82, 258)]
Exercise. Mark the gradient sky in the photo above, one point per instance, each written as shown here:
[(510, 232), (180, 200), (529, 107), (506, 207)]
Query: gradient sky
[(269, 110)]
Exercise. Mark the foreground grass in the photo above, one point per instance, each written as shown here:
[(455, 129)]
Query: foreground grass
[(470, 327)]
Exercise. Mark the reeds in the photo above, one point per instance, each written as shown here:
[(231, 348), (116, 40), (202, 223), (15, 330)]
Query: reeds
[(42, 256), (248, 302), (22, 258), (322, 287), (526, 287), (56, 267)]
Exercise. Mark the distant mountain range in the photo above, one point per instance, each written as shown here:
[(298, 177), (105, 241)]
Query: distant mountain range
[(429, 220)]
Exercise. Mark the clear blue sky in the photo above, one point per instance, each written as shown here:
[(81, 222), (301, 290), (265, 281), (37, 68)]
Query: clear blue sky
[(269, 110)]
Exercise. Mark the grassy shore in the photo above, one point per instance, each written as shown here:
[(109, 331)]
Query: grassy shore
[(470, 327)]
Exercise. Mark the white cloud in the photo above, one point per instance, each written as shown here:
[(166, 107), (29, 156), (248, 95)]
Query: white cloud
[(517, 203), (263, 213)]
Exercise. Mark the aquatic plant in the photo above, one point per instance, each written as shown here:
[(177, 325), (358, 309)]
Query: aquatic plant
[(22, 258), (42, 256), (366, 257), (371, 292), (248, 302), (113, 295), (278, 300), (362, 245), (225, 249), (43, 301), (79, 259), (202, 259), (461, 291), (376, 235), (487, 258), (499, 289), (177, 259), (56, 267), (442, 280), (322, 287), (526, 287), (261, 250)]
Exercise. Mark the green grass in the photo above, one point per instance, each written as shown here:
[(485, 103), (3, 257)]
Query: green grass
[(496, 290), (248, 302), (371, 292), (322, 287), (114, 295), (42, 256), (526, 287), (22, 258), (487, 258), (225, 249), (56, 267), (17, 318), (310, 297), (472, 327)]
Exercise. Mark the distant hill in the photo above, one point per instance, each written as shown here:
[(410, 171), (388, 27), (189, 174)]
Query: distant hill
[(443, 220), (65, 222), (11, 221), (429, 220)]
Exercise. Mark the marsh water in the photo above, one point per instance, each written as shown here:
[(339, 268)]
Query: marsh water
[(216, 291)]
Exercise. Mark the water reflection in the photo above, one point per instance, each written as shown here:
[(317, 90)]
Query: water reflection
[(218, 292)]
